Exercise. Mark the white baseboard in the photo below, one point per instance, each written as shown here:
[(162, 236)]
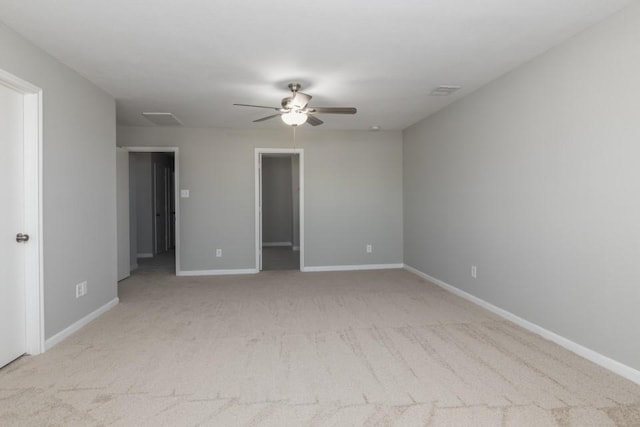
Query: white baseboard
[(352, 267), (216, 272), (75, 327), (144, 255), (274, 244), (595, 357)]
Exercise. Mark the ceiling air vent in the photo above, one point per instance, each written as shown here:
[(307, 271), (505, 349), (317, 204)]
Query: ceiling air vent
[(163, 119), (444, 90)]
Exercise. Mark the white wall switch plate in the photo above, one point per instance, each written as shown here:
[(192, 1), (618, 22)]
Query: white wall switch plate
[(369, 249), (218, 253), (184, 194)]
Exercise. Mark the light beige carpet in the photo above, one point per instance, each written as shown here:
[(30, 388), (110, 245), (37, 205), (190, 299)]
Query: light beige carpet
[(380, 348)]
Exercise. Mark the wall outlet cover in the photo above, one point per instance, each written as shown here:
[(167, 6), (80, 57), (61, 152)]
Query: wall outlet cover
[(81, 289)]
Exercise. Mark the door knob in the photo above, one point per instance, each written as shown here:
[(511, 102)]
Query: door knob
[(22, 237)]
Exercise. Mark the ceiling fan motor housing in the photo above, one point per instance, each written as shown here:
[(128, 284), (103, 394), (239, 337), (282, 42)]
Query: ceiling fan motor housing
[(286, 103)]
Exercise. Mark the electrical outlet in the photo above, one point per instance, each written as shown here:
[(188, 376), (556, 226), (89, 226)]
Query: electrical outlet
[(84, 288), (369, 249), (218, 253), (474, 271)]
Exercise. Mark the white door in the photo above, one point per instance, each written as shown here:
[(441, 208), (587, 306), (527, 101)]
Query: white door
[(13, 342)]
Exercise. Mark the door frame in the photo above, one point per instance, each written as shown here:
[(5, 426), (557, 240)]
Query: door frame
[(32, 143), (176, 186), (258, 198)]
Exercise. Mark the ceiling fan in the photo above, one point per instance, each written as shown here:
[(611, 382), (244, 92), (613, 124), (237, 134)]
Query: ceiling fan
[(295, 109)]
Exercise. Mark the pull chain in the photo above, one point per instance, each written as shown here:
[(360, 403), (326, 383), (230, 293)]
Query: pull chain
[(294, 136)]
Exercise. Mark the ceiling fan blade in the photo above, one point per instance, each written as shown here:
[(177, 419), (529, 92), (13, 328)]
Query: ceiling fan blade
[(266, 118), (257, 106), (333, 110), (313, 120), (299, 100)]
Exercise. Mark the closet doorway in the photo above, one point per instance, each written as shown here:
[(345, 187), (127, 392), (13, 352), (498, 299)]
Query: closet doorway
[(279, 209)]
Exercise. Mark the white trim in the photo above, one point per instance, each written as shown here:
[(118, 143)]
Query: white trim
[(353, 267), (34, 267), (76, 326), (595, 357), (258, 152), (296, 248), (144, 255), (217, 272), (276, 244), (176, 189)]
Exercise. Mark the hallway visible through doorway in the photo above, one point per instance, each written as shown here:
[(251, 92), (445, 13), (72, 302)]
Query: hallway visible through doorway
[(153, 206)]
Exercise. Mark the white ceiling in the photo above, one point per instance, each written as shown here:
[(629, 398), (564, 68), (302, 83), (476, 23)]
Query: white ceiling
[(195, 58)]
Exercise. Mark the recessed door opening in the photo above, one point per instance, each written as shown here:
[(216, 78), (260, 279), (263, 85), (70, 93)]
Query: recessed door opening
[(153, 209), (279, 209)]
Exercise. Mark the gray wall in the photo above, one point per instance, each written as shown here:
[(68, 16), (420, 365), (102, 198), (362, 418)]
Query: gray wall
[(277, 200), (353, 193), (123, 211), (133, 214), (144, 202), (79, 193), (535, 179)]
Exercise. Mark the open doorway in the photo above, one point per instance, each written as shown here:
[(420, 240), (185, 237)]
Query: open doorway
[(279, 209), (153, 210)]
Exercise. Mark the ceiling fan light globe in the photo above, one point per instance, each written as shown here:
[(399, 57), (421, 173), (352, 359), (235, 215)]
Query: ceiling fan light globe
[(294, 118)]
